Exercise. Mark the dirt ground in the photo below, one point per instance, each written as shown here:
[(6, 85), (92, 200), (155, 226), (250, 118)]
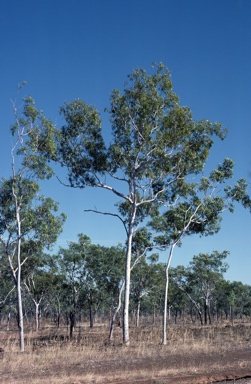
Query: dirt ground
[(115, 364)]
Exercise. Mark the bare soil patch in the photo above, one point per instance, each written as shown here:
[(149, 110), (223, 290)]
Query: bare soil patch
[(193, 355)]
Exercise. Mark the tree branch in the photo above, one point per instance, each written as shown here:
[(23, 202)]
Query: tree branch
[(108, 214)]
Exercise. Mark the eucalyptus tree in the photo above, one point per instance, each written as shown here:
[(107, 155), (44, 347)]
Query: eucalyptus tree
[(240, 299), (155, 144), (38, 280), (196, 209), (155, 290), (146, 282), (139, 285), (92, 273), (178, 302), (205, 271), (72, 267), (28, 220), (105, 265), (200, 281)]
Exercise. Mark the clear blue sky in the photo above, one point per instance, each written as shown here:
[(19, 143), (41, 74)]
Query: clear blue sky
[(86, 48)]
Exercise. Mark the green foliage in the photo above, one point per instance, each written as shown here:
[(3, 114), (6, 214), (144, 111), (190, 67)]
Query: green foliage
[(80, 144), (201, 280), (153, 135), (198, 206), (208, 268), (91, 273), (155, 143), (39, 224), (239, 193), (156, 149), (35, 140)]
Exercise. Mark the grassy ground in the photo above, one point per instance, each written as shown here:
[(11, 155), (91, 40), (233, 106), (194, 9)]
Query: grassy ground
[(192, 355)]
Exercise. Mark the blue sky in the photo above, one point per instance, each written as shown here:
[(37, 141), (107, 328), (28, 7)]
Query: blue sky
[(79, 48)]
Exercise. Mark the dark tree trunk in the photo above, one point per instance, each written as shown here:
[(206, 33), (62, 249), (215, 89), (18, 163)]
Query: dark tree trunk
[(72, 322), (91, 315)]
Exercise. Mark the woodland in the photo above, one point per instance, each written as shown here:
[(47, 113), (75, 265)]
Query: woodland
[(154, 166)]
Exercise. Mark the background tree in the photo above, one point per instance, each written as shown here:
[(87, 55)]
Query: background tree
[(200, 280), (71, 266), (178, 302), (38, 280), (93, 273), (105, 265), (6, 286), (239, 300)]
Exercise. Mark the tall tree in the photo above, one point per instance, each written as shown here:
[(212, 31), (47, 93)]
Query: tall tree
[(155, 144), (27, 220)]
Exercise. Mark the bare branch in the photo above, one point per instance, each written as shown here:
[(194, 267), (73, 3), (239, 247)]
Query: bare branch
[(107, 214)]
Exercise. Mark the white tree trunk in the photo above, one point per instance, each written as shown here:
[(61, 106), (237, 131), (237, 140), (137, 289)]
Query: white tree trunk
[(128, 277), (165, 309), (166, 295), (19, 292), (127, 292), (116, 311), (37, 315), (17, 277)]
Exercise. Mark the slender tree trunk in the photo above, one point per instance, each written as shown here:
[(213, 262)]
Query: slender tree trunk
[(36, 315), (116, 311), (137, 313), (166, 295), (72, 322), (18, 282), (205, 313), (169, 312), (128, 277), (154, 314), (165, 309), (20, 312), (127, 292), (58, 313), (209, 315), (8, 322), (58, 320), (91, 317)]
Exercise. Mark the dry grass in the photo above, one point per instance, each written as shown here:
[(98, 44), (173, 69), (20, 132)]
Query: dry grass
[(89, 358)]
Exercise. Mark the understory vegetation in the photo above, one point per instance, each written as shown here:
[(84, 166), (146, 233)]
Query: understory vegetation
[(222, 351)]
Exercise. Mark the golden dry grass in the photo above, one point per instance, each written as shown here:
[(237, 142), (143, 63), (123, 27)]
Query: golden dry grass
[(50, 357)]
